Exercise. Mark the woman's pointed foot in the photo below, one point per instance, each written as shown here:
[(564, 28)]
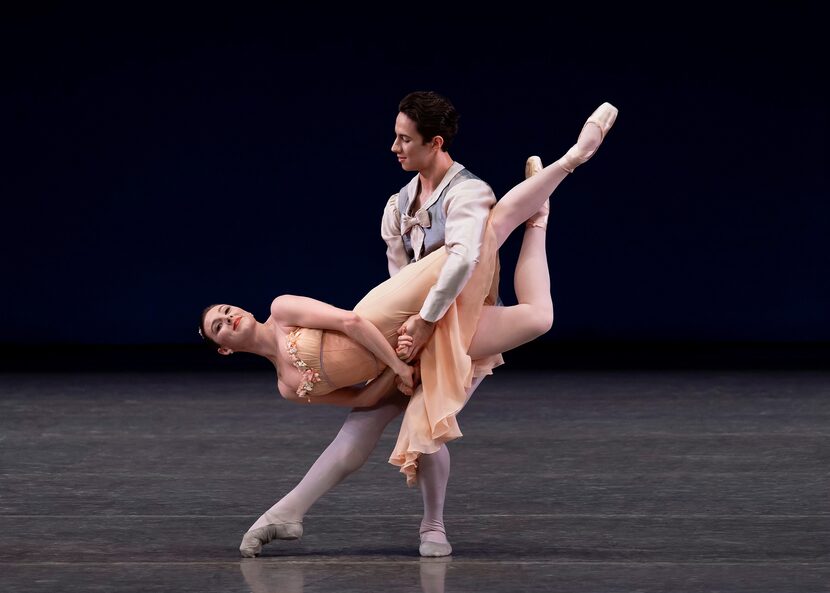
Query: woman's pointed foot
[(253, 540), (533, 166), (591, 136)]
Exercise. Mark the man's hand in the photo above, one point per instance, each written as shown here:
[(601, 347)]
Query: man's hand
[(420, 331)]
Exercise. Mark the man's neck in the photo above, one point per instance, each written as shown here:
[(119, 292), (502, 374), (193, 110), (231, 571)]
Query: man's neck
[(431, 177)]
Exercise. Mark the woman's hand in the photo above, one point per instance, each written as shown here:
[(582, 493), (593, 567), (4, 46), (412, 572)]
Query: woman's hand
[(416, 376), (406, 375), (404, 348)]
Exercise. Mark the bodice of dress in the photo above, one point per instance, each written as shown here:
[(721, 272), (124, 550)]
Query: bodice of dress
[(328, 360)]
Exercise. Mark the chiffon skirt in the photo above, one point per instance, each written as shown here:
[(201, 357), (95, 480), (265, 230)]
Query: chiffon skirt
[(446, 370)]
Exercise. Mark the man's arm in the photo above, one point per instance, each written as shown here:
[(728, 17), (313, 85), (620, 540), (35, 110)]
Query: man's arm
[(467, 207), (390, 230)]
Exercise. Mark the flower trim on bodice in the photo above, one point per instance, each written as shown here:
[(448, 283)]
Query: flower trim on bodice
[(308, 376)]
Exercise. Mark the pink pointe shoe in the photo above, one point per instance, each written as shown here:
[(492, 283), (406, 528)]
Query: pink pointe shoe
[(533, 166), (603, 118), (253, 540)]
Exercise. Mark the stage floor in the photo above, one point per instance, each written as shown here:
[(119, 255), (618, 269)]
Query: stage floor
[(564, 481)]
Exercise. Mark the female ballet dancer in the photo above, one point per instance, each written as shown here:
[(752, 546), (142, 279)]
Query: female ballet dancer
[(351, 358)]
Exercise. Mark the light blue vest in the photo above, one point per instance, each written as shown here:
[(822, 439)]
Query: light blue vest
[(434, 234)]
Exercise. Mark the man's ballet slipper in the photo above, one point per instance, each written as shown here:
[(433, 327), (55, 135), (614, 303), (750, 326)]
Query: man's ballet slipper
[(603, 118), (434, 549)]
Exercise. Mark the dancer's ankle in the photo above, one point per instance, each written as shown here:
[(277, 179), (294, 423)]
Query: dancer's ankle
[(433, 531), (276, 516), (436, 537), (585, 147), (540, 219), (566, 164)]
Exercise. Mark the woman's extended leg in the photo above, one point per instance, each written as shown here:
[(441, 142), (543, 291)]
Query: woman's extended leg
[(503, 328), (525, 199)]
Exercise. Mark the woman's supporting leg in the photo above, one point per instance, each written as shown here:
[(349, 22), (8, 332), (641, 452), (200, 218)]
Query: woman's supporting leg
[(346, 454), (521, 202)]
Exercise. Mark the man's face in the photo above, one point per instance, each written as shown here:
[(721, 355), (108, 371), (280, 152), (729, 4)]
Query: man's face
[(413, 154)]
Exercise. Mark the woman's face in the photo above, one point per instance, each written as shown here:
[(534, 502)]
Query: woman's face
[(412, 153), (230, 327)]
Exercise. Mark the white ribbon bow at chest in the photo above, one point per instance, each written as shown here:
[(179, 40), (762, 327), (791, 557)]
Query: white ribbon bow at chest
[(414, 226)]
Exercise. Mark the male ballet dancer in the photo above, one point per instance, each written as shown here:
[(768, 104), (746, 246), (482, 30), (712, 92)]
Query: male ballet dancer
[(444, 205)]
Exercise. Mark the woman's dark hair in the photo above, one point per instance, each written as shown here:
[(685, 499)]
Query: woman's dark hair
[(203, 329), (433, 115)]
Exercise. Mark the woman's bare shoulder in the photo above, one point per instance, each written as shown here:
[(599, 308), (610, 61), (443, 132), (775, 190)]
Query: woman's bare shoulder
[(281, 305), (282, 309)]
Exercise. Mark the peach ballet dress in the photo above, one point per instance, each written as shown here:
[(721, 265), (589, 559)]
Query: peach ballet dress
[(329, 360)]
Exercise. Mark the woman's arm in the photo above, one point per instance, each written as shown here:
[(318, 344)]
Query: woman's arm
[(300, 311), (351, 397)]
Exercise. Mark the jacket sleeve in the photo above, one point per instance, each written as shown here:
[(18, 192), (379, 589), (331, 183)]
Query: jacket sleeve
[(467, 207)]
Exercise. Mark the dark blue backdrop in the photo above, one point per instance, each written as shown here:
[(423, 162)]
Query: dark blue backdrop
[(156, 163)]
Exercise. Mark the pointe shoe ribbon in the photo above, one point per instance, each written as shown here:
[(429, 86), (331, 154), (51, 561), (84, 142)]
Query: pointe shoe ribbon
[(253, 540), (604, 117), (533, 166)]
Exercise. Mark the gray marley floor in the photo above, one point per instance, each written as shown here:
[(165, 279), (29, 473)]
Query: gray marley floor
[(564, 481)]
